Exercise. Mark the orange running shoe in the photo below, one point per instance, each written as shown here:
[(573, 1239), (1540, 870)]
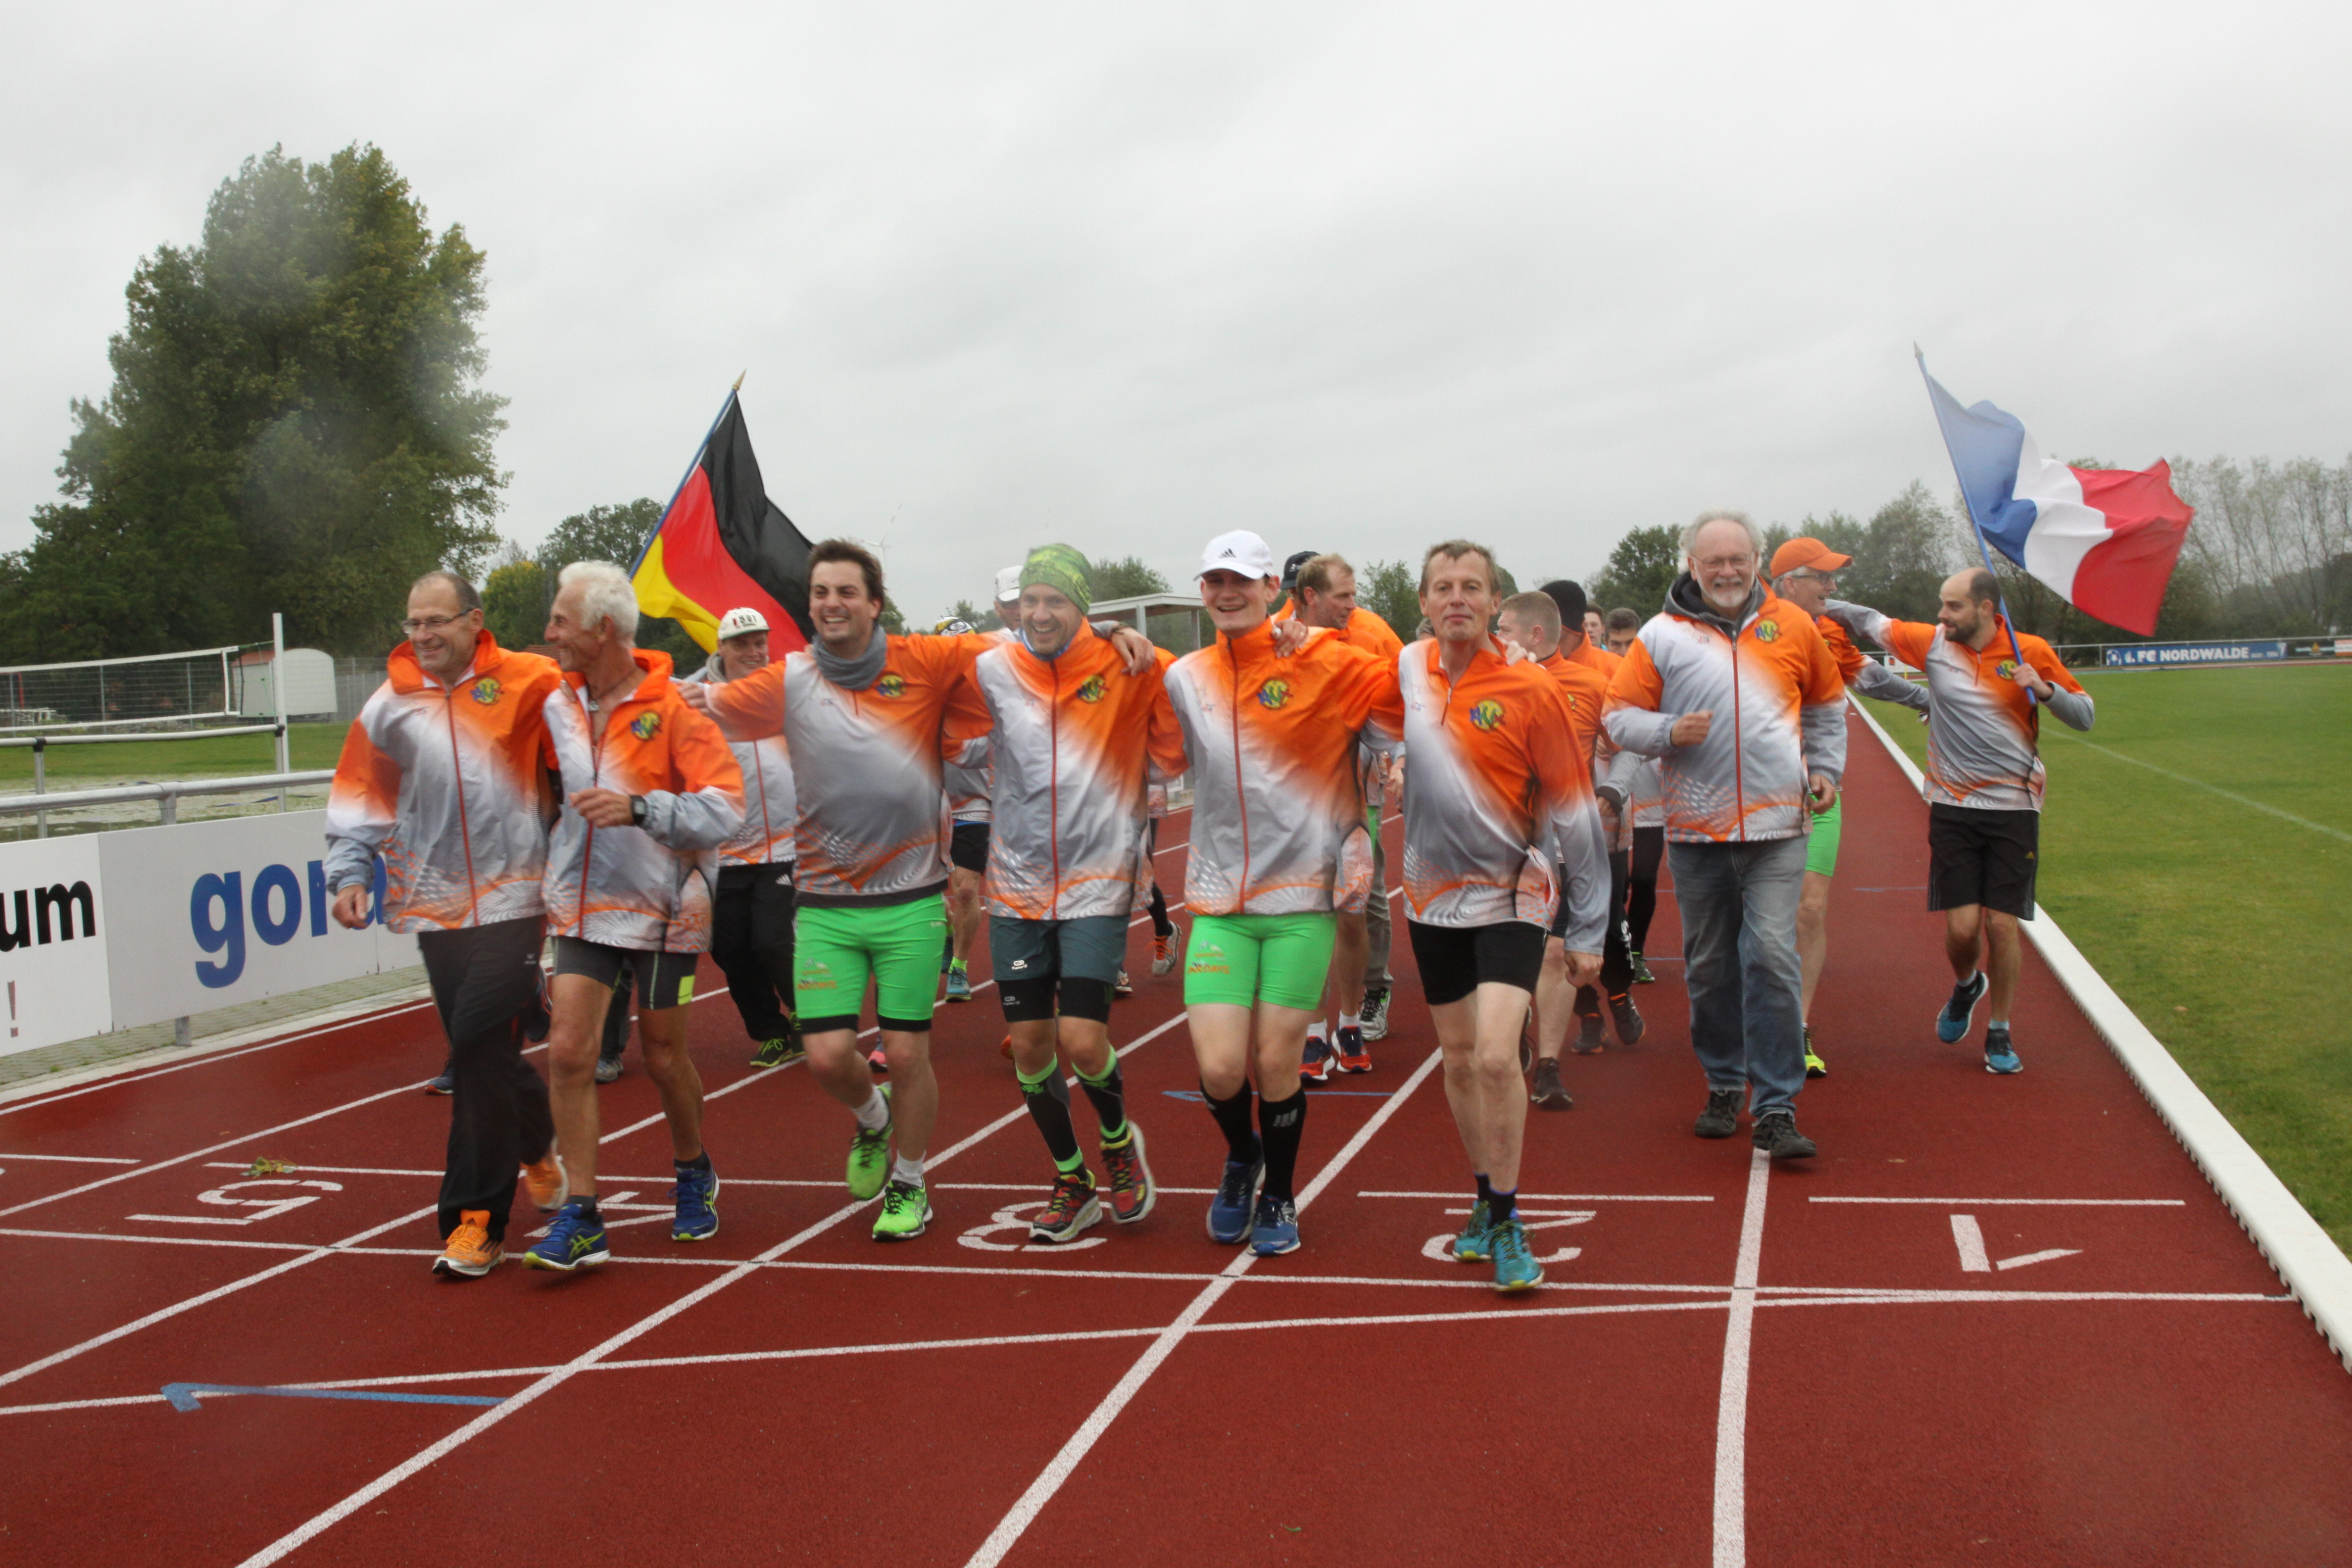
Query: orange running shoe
[(471, 1253), (545, 1181)]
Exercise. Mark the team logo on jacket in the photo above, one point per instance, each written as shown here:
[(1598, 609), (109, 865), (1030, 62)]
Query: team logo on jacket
[(2006, 670), (1487, 715), (1093, 689), (890, 685), (1274, 694), (484, 691), (645, 726), (1768, 631)]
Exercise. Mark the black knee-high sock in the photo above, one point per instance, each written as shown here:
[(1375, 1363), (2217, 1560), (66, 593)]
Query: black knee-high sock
[(1234, 1121), (1048, 1098), (1160, 925), (1108, 1093), (1284, 1122)]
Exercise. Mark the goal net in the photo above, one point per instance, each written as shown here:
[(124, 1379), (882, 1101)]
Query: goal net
[(201, 688)]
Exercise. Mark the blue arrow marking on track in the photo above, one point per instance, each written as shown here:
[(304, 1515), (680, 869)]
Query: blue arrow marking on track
[(183, 1395)]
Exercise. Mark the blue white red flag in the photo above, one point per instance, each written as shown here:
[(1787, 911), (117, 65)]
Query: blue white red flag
[(2105, 539)]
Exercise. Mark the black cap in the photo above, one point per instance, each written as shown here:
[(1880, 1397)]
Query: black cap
[(1570, 598), (1290, 569)]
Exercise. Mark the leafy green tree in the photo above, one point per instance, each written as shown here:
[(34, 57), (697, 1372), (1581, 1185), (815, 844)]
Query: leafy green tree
[(1390, 589), (514, 601), (978, 619), (1639, 571), (296, 423), (1126, 578)]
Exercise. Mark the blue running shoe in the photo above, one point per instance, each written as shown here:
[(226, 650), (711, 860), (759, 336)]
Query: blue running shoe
[(1952, 1023), (572, 1241), (958, 984), (1999, 1055), (1275, 1229), (1472, 1246), (696, 1197), (1515, 1268), (1229, 1211)]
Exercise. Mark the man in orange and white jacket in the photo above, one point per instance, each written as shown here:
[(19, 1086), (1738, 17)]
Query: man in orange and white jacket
[(1735, 690), (650, 794), (445, 776)]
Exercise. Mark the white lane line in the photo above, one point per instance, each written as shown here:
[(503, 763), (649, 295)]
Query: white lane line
[(2037, 1203), (1731, 1404), (174, 1310), (75, 1159), (424, 1458), (2245, 800), (142, 1076), (1041, 1491), (1455, 1196)]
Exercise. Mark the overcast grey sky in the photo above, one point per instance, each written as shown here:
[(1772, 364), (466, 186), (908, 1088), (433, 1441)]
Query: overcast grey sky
[(1356, 276)]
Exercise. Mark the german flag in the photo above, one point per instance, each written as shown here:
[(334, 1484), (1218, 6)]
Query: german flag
[(722, 545)]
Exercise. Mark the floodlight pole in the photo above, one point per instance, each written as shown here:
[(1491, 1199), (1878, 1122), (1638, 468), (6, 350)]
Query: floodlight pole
[(278, 697)]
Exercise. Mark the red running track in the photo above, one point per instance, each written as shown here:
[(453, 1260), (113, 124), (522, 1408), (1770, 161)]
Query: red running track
[(1730, 1364)]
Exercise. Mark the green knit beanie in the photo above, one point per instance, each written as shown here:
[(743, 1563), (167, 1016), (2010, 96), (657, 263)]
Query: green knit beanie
[(1062, 569)]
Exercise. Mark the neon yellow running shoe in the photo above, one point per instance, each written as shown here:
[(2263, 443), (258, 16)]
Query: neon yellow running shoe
[(869, 1157), (906, 1210)]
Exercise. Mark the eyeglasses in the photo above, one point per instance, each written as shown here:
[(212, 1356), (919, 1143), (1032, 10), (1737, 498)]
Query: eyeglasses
[(433, 623)]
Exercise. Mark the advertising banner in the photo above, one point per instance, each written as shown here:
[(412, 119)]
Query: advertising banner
[(2169, 653), (54, 926), (210, 914)]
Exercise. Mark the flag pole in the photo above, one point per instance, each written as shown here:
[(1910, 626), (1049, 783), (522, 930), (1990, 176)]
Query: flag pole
[(692, 464), (1975, 524)]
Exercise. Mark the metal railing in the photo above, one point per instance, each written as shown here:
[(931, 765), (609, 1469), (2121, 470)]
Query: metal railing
[(167, 794)]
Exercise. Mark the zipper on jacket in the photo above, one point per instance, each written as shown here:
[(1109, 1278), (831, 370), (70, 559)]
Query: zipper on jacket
[(465, 824), (1053, 787), (1241, 800), (1739, 748), (595, 781)]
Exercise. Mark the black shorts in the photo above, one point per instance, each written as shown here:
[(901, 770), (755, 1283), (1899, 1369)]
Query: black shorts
[(967, 847), (664, 979), (1455, 961), (1979, 856)]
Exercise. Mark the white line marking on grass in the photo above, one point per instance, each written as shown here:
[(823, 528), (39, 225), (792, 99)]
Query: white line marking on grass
[(2038, 1202), (2229, 795), (1731, 1404), (1027, 1507), (557, 1377), (174, 1310)]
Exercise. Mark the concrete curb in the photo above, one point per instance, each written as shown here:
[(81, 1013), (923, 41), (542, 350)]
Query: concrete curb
[(2315, 1269)]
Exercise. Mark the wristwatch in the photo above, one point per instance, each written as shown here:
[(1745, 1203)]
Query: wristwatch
[(637, 811)]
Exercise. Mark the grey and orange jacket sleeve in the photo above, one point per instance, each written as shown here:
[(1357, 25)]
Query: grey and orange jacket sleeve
[(751, 709), (1633, 718), (1874, 680), (704, 805), (1575, 825), (2067, 702), (1821, 718), (362, 808)]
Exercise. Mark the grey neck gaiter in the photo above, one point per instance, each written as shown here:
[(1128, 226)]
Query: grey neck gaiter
[(853, 674)]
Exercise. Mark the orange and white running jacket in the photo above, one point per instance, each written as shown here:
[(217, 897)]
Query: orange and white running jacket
[(449, 784), (649, 888), (769, 807), (1983, 729), (1499, 791), (1075, 742), (1778, 706), (1277, 814), (866, 765), (968, 784), (1867, 675)]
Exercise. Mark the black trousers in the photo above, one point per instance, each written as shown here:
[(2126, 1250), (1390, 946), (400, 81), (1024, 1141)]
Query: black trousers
[(484, 980), (1616, 960), (751, 942)]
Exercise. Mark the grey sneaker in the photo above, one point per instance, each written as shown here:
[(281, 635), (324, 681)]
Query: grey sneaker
[(1376, 1014), (1777, 1135), (1546, 1091), (1721, 1117), (607, 1068)]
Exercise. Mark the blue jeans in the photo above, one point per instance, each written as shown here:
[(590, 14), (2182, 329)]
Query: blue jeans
[(1739, 904)]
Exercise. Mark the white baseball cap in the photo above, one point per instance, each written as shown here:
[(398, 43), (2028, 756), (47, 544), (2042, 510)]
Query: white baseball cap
[(1008, 583), (1240, 550), (736, 622)]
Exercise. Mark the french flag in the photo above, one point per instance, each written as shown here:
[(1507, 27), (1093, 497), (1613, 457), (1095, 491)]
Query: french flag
[(2105, 539)]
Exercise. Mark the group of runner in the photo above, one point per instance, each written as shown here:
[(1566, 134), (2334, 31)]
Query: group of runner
[(841, 819)]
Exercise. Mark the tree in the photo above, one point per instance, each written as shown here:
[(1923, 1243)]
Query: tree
[(296, 423), (514, 600), (1639, 571), (1390, 590), (1126, 578), (979, 620)]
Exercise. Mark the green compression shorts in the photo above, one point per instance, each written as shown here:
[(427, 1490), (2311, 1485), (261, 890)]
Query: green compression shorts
[(1247, 958), (837, 949), (1822, 847)]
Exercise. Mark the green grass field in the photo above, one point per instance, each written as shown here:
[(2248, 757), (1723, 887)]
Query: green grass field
[(2227, 928), (313, 746)]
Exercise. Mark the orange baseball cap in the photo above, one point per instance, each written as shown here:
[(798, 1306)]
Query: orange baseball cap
[(1807, 552)]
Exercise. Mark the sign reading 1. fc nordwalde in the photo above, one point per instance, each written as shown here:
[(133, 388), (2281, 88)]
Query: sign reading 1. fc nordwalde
[(2171, 653)]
